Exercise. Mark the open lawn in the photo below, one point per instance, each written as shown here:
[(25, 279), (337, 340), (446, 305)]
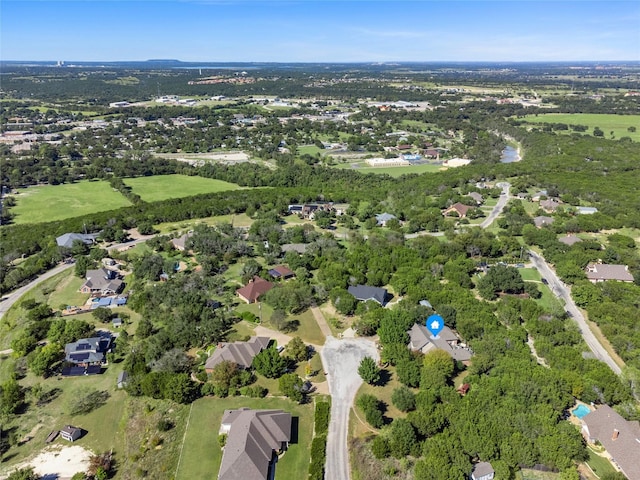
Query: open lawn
[(607, 122), (599, 465), (201, 452), (163, 187), (237, 220), (49, 203), (393, 171)]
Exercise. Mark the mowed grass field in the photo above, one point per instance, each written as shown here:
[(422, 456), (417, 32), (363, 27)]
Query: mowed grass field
[(49, 203), (201, 452), (618, 124), (393, 171), (163, 187)]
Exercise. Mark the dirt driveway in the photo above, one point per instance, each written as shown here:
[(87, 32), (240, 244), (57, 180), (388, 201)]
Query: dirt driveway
[(341, 359)]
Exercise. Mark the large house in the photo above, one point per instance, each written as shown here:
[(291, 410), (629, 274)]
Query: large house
[(254, 439), (618, 436), (457, 208), (383, 218), (601, 272), (365, 293), (87, 351), (67, 239), (420, 340), (256, 287), (240, 353), (102, 282)]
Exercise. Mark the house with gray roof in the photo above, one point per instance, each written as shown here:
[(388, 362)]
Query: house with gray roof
[(180, 242), (240, 353), (543, 221), (550, 205), (102, 282), (365, 293), (420, 340), (618, 436), (570, 240), (300, 248), (67, 239), (88, 351), (70, 433), (477, 197), (586, 210), (482, 471), (383, 218), (601, 272), (254, 439)]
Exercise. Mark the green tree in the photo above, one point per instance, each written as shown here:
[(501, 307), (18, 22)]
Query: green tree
[(297, 350), (369, 371), (404, 399), (371, 408), (44, 358), (269, 363), (24, 474), (402, 438), (11, 397), (290, 385)]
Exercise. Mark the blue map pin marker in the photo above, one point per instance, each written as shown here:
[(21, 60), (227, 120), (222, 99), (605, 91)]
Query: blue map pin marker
[(435, 324)]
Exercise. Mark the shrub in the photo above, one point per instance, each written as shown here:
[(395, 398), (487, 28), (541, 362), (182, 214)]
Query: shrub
[(164, 425), (318, 457), (404, 399), (370, 406), (322, 417)]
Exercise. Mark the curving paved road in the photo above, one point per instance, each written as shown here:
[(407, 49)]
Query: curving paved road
[(502, 202), (561, 290), (341, 359)]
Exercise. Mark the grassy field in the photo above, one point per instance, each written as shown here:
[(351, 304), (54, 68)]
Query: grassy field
[(49, 203), (201, 453), (618, 124), (237, 220), (598, 464), (163, 187), (393, 171)]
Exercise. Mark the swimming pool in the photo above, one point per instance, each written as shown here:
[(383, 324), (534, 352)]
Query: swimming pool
[(580, 411)]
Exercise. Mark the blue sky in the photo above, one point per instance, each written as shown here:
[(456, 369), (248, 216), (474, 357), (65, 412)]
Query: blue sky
[(319, 31)]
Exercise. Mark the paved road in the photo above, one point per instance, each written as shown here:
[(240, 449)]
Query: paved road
[(8, 300), (497, 210), (560, 290), (341, 359)]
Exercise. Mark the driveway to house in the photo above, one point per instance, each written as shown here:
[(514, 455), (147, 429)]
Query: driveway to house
[(7, 301), (561, 290), (341, 359)]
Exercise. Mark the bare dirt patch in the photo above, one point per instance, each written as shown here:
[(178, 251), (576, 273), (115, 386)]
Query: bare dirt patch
[(59, 462)]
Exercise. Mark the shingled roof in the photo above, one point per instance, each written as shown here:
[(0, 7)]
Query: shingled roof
[(253, 438), (365, 292), (620, 437), (420, 339), (598, 272), (251, 291), (240, 353)]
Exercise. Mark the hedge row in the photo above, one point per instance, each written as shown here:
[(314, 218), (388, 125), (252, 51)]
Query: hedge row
[(319, 443)]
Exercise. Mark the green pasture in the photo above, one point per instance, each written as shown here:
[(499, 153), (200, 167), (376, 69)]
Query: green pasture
[(49, 203), (237, 220), (618, 124), (163, 187), (310, 150), (201, 452)]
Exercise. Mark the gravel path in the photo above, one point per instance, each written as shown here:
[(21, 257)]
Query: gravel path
[(341, 359)]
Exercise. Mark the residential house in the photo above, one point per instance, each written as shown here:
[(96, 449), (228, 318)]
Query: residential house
[(70, 433), (180, 243), (477, 197), (570, 240), (550, 205), (88, 351), (281, 272), (300, 248), (383, 218), (601, 272), (102, 282), (308, 210), (538, 195), (543, 221), (621, 438), (421, 340), (365, 293), (458, 209), (254, 440), (482, 471), (67, 239), (240, 353), (256, 287)]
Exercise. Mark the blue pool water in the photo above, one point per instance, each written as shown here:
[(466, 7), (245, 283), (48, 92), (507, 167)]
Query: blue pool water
[(580, 411)]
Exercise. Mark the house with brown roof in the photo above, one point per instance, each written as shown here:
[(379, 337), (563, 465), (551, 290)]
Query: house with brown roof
[(549, 205), (601, 272), (256, 287), (421, 340), (240, 353), (281, 272), (457, 208), (254, 440), (618, 436)]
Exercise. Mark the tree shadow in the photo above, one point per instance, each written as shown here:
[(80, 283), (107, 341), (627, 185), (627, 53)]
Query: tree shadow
[(385, 377)]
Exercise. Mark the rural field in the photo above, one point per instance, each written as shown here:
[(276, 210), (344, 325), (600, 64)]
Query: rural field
[(49, 203), (392, 171), (163, 187), (201, 452), (618, 124)]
